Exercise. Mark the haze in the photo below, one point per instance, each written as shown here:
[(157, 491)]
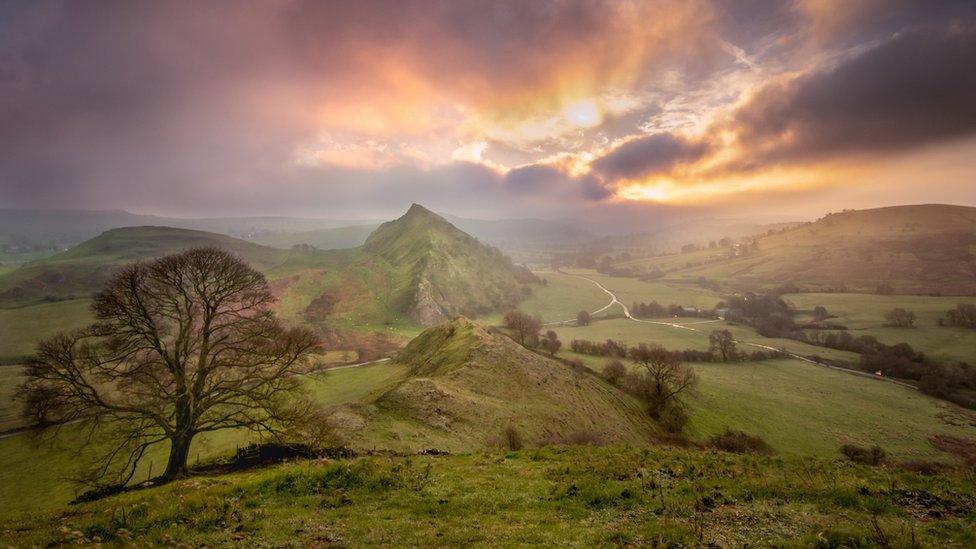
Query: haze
[(615, 110)]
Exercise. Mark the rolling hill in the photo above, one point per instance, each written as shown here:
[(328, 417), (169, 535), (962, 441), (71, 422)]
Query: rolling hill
[(442, 271), (464, 385), (917, 249), (417, 270), (82, 270)]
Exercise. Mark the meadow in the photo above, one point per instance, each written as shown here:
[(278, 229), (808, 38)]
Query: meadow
[(864, 314)]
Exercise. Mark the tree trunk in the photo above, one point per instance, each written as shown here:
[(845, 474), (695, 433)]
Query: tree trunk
[(179, 450)]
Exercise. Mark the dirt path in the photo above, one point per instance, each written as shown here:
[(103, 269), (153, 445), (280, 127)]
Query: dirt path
[(690, 326)]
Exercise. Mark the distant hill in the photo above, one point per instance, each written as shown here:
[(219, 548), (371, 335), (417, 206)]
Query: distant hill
[(25, 230), (464, 385), (416, 270), (443, 271), (914, 249), (82, 270)]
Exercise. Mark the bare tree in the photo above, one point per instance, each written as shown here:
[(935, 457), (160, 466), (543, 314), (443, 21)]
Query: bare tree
[(664, 381), (524, 327), (723, 342), (182, 345)]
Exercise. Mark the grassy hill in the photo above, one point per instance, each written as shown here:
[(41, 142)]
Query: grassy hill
[(465, 385), (917, 249), (442, 271), (418, 269), (557, 497), (81, 271)]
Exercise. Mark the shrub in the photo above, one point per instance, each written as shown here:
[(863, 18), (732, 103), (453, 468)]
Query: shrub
[(874, 455), (576, 438), (512, 438), (924, 467), (673, 418), (614, 371), (740, 443)]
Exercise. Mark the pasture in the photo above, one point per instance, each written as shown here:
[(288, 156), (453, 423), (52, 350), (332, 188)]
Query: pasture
[(864, 314), (35, 474)]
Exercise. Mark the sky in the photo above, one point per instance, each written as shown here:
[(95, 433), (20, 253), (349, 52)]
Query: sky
[(609, 110)]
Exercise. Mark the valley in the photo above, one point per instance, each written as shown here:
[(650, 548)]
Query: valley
[(404, 372)]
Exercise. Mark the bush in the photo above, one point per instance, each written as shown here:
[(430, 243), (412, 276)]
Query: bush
[(576, 438), (673, 418), (512, 438), (614, 371), (924, 467), (740, 443), (874, 455)]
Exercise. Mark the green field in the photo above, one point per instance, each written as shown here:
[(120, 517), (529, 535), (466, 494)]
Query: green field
[(864, 314), (557, 497), (21, 329), (36, 476), (804, 409)]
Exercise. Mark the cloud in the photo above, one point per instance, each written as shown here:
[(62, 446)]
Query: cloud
[(647, 155), (915, 89)]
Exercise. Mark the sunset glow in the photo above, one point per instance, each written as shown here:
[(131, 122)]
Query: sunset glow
[(670, 103)]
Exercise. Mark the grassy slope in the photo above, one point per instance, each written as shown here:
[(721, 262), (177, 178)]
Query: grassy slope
[(466, 385), (35, 476), (440, 271), (565, 497), (917, 249)]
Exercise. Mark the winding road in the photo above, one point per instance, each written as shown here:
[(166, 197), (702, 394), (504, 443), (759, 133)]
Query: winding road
[(691, 326)]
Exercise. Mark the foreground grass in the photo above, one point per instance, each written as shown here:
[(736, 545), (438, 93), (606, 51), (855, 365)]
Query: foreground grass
[(584, 496)]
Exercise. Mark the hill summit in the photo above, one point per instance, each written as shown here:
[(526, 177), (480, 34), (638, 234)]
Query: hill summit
[(444, 272)]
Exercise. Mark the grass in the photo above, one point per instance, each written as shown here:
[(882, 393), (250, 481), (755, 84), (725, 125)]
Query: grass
[(567, 497), (560, 299), (803, 409), (24, 327), (34, 476), (864, 314)]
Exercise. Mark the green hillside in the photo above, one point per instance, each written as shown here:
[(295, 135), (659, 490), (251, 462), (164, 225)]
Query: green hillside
[(465, 385), (442, 271), (917, 249), (81, 271)]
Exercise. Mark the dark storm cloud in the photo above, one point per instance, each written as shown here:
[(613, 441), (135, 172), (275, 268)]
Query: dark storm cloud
[(914, 89), (646, 155)]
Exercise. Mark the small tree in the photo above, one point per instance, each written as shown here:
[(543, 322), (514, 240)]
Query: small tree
[(551, 343), (722, 342), (582, 318), (182, 345), (525, 328), (900, 318), (662, 384), (820, 313), (614, 371)]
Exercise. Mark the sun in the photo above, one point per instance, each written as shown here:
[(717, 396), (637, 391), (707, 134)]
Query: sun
[(584, 114)]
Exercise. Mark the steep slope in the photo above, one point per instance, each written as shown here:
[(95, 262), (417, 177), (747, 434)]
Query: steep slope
[(82, 270), (916, 249), (464, 385), (442, 271)]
